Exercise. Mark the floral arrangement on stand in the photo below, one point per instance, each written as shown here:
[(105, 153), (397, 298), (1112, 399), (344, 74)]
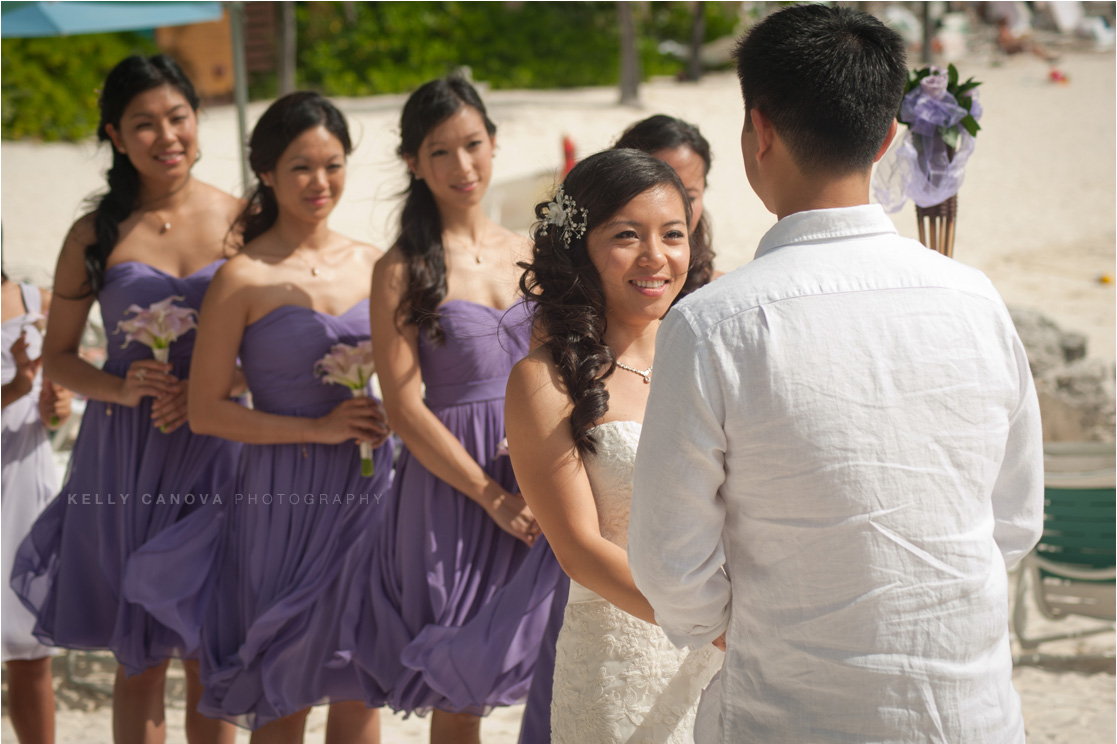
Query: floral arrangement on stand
[(158, 326), (928, 162), (351, 366)]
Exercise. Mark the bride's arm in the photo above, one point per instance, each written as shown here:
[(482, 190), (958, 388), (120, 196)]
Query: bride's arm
[(554, 482)]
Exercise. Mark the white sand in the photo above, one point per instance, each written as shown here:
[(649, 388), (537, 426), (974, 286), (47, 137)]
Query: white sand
[(1037, 213)]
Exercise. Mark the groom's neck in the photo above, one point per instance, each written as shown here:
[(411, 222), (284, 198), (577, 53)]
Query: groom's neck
[(795, 192)]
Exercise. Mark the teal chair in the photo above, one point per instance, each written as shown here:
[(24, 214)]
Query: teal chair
[(1072, 571)]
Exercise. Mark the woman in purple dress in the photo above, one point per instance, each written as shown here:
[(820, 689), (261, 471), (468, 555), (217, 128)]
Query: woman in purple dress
[(278, 628), (445, 315), (136, 468)]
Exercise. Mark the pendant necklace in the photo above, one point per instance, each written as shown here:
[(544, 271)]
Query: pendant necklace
[(166, 226), (480, 244)]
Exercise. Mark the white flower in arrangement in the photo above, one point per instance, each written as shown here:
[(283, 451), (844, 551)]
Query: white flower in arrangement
[(564, 212), (353, 367), (158, 326)]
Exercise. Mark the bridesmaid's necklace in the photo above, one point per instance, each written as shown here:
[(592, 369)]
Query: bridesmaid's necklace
[(480, 245), (165, 227), (645, 373)]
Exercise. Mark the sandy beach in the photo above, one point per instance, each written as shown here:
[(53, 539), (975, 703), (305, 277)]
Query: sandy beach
[(1037, 214)]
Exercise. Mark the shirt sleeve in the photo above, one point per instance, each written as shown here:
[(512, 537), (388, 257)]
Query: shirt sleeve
[(1018, 491), (675, 547)]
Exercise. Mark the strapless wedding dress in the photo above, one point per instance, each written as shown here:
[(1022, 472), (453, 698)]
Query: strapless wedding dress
[(618, 678)]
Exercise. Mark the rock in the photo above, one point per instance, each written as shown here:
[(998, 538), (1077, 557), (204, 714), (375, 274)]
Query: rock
[(1076, 394), (1077, 402), (1049, 347)]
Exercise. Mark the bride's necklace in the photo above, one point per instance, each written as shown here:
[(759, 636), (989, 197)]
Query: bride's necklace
[(165, 227), (645, 373)]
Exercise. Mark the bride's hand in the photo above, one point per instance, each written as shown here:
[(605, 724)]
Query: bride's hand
[(511, 514), (719, 642)]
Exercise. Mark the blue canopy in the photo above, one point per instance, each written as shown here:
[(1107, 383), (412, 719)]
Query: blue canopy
[(23, 19)]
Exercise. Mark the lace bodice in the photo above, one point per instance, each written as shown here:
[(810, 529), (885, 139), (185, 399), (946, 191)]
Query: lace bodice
[(617, 678), (610, 473)]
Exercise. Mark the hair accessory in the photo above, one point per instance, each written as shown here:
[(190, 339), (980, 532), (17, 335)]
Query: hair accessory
[(563, 212)]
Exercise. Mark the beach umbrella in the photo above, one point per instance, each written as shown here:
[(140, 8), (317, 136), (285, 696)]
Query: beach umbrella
[(34, 19), (27, 19)]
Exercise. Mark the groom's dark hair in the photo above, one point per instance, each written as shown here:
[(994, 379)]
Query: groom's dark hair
[(830, 80)]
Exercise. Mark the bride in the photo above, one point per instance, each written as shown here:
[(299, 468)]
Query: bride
[(610, 256)]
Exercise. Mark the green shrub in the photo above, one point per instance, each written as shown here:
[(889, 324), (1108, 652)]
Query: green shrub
[(357, 49), (49, 86)]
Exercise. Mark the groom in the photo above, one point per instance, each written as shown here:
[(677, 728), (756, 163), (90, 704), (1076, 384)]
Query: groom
[(841, 453)]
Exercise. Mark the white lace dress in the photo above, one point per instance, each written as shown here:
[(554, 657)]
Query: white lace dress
[(618, 678)]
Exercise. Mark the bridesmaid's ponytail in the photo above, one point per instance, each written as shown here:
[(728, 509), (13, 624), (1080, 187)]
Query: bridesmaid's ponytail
[(128, 79)]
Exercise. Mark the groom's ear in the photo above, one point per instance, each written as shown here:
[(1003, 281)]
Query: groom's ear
[(887, 141), (765, 133)]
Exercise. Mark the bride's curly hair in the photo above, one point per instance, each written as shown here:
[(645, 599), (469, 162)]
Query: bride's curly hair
[(564, 286)]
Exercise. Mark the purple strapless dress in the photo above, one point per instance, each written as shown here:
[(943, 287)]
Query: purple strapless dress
[(429, 636), (270, 595), (127, 482)]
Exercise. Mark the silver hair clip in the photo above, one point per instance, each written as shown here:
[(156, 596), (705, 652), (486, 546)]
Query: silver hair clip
[(563, 212)]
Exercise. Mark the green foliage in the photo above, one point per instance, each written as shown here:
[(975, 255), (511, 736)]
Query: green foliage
[(49, 86), (355, 49)]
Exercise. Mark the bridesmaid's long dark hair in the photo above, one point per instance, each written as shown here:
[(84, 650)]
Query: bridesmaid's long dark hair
[(662, 132), (284, 121), (130, 77), (564, 286), (420, 236)]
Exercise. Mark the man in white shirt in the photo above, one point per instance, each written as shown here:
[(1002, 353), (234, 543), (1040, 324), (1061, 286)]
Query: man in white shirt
[(841, 453)]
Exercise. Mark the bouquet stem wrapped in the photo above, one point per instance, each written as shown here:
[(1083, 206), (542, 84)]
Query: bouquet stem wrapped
[(368, 467)]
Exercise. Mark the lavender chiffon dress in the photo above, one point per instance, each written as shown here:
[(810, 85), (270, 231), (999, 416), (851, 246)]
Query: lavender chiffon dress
[(127, 482), (431, 635), (270, 596)]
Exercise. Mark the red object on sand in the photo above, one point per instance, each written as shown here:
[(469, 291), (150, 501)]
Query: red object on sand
[(568, 154), (1057, 77)]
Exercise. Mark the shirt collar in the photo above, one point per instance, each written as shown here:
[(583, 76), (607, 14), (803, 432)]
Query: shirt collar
[(826, 224)]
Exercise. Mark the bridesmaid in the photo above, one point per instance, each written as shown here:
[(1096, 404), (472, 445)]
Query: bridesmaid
[(279, 629), (682, 146), (445, 315), (156, 233), (32, 405)]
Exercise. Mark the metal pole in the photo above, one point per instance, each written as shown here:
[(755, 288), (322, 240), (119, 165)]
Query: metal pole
[(928, 33), (240, 88), (630, 57)]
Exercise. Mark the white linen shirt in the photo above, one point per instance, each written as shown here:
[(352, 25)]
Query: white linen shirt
[(841, 455)]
